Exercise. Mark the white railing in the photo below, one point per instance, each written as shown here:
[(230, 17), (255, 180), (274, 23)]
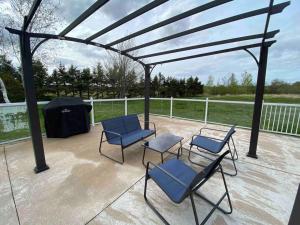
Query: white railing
[(276, 117)]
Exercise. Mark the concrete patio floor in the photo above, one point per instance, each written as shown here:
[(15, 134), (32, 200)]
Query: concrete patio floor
[(83, 187)]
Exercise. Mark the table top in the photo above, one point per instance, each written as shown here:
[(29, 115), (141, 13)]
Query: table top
[(163, 142)]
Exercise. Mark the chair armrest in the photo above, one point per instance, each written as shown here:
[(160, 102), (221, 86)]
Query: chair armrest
[(149, 122), (115, 133), (167, 173), (207, 128)]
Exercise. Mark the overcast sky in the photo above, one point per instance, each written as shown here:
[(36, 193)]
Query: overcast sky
[(284, 56)]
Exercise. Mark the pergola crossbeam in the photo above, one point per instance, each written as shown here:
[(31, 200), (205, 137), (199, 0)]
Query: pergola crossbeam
[(173, 19), (268, 44), (31, 13), (93, 8), (127, 18), (226, 41), (275, 9)]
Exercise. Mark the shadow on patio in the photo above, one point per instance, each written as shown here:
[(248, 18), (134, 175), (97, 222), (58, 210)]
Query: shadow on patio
[(82, 187)]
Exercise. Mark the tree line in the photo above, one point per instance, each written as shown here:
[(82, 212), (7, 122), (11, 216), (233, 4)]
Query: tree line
[(110, 81), (97, 82), (231, 85)]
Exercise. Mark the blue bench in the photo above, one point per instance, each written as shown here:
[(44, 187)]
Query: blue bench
[(124, 131)]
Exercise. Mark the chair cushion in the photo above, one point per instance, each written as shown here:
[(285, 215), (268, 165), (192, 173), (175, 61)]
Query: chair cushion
[(131, 123), (208, 144), (175, 191), (132, 137)]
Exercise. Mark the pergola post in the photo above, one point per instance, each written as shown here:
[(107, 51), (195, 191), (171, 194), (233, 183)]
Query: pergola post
[(147, 96), (31, 101), (259, 95)]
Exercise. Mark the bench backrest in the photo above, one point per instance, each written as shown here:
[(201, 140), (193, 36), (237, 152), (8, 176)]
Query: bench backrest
[(121, 125)]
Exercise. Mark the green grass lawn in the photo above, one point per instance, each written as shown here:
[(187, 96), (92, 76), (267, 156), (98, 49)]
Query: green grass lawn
[(226, 113)]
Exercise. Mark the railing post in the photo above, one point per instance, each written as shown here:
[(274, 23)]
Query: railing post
[(126, 112), (206, 110), (171, 107), (92, 111)]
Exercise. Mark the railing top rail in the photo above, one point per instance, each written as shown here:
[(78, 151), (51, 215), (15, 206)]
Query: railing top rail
[(189, 99), (232, 102), (281, 104), (164, 99)]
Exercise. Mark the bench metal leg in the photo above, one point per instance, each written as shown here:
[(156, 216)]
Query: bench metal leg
[(101, 153)]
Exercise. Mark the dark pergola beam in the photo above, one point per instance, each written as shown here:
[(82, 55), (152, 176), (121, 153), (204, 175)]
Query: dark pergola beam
[(172, 20), (127, 18), (226, 41), (275, 9), (31, 13), (72, 39), (93, 8), (269, 43)]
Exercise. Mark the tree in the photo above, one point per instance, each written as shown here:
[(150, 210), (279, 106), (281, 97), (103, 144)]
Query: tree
[(10, 84), (54, 80), (247, 83), (72, 78), (210, 81), (120, 67), (87, 80), (40, 78), (232, 84), (64, 77), (99, 80), (44, 20)]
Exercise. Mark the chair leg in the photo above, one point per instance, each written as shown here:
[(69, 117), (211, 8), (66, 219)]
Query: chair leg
[(235, 151), (194, 209), (233, 162), (117, 161), (148, 202), (216, 205)]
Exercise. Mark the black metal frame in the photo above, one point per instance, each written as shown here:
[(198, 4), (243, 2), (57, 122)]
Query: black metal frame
[(122, 147), (26, 54), (233, 156), (191, 194)]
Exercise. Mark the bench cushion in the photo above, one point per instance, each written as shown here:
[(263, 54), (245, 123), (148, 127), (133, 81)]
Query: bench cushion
[(175, 191), (132, 137)]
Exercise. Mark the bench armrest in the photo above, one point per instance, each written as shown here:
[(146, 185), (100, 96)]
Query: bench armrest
[(167, 173), (115, 133), (150, 122)]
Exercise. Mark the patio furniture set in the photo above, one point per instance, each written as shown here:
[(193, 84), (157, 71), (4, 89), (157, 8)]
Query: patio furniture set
[(177, 179)]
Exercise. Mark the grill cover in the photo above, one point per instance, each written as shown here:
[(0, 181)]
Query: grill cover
[(66, 116)]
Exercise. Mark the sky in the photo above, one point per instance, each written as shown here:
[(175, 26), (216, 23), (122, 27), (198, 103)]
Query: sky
[(284, 55)]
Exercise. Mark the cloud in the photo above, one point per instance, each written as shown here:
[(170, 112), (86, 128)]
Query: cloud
[(283, 60)]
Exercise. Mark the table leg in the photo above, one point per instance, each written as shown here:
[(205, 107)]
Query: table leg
[(162, 158), (144, 156)]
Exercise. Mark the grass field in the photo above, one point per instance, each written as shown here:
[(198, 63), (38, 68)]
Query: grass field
[(226, 113)]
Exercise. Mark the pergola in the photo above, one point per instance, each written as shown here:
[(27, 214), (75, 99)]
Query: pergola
[(264, 43)]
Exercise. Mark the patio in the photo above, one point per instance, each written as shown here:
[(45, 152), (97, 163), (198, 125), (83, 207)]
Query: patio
[(83, 187)]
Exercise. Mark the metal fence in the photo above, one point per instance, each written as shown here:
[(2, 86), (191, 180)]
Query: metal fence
[(276, 117)]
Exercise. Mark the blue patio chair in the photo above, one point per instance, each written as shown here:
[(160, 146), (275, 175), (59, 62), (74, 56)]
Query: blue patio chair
[(179, 181), (214, 146)]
